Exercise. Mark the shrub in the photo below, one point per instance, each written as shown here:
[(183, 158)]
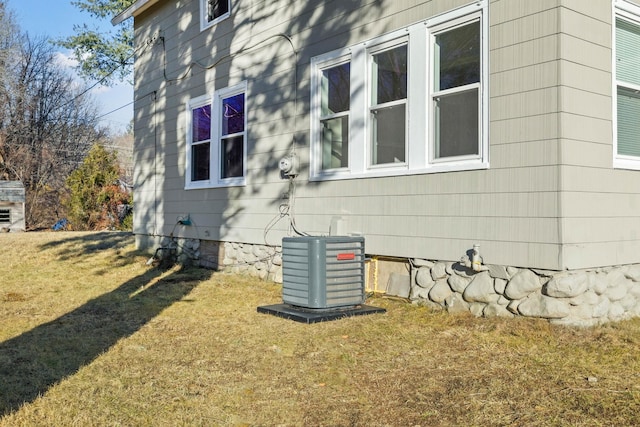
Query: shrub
[(96, 198)]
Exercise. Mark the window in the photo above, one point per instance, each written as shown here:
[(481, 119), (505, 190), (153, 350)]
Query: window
[(217, 138), (389, 105), (5, 216), (627, 86), (408, 102), (456, 92), (213, 11), (200, 142), (334, 116), (232, 136)]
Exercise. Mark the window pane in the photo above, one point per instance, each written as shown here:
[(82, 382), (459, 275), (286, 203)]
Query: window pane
[(390, 75), (335, 89), (201, 122), (233, 114), (217, 8), (200, 162), (232, 157), (335, 143), (628, 122), (5, 216), (388, 127), (456, 120), (458, 57), (627, 51)]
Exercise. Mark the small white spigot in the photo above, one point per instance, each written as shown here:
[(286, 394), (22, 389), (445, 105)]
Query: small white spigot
[(476, 259)]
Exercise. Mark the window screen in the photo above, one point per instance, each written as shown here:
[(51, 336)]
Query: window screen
[(456, 83), (232, 137), (388, 109), (334, 119), (201, 143), (628, 78)]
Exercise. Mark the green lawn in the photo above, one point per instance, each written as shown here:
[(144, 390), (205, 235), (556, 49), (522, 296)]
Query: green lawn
[(91, 335)]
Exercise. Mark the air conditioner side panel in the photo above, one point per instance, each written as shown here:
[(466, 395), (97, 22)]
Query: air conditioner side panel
[(323, 272)]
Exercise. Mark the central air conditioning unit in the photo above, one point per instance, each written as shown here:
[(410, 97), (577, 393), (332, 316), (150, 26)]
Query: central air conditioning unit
[(323, 272)]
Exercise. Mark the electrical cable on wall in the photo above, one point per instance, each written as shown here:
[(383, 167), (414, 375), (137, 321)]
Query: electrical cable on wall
[(292, 217), (285, 210), (185, 74)]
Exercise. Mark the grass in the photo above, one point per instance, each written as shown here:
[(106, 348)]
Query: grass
[(92, 336)]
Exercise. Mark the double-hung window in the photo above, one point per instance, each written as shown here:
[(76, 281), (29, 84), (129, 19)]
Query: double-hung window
[(388, 110), (217, 139), (200, 141), (335, 99), (408, 102), (213, 11), (456, 91), (232, 135), (627, 85)]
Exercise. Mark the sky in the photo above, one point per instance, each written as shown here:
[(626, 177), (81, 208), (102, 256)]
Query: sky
[(55, 19)]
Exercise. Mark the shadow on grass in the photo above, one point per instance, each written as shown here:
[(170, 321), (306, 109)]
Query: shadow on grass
[(35, 361), (75, 244)]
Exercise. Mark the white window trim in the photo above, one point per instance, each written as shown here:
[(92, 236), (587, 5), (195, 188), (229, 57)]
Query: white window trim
[(631, 12), (318, 65), (204, 24), (419, 158), (192, 104), (215, 167), (240, 88)]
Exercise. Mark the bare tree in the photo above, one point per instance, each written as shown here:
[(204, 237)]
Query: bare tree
[(8, 40), (47, 125)]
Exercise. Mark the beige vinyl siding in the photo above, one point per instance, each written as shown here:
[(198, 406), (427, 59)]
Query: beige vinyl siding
[(510, 210), (524, 129), (439, 216), (601, 215), (596, 131), (550, 198)]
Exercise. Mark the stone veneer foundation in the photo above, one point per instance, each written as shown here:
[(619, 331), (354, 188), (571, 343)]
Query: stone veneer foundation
[(260, 261), (576, 298)]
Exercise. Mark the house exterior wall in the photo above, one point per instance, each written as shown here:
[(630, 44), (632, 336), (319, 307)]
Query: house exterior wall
[(549, 199), (600, 217)]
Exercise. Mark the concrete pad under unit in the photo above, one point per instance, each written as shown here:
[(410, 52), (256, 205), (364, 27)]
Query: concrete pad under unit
[(306, 315)]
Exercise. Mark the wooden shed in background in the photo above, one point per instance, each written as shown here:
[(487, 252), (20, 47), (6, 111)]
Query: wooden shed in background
[(12, 200)]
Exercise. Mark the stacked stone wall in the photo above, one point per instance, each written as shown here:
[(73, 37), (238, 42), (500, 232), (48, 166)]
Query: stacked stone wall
[(180, 250), (576, 298), (260, 261)]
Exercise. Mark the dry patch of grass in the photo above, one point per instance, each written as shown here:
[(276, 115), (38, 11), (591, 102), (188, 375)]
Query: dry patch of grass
[(93, 336)]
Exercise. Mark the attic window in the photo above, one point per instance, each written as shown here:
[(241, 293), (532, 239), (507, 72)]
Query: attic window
[(5, 216), (213, 11), (216, 9)]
